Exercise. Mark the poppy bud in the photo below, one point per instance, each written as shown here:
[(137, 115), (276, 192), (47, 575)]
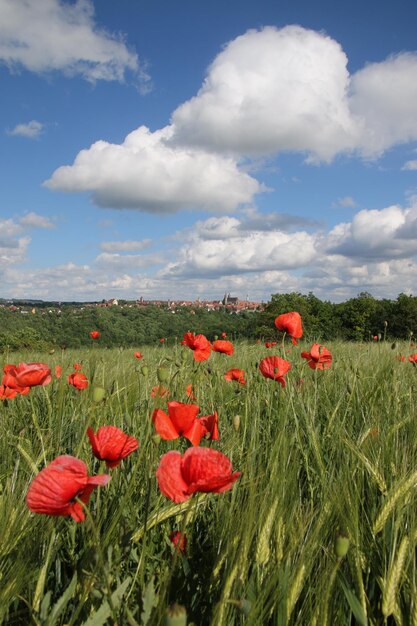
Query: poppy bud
[(236, 422), (176, 615), (99, 394), (394, 345), (162, 374), (156, 439), (183, 356), (341, 546), (245, 606), (52, 351), (145, 371)]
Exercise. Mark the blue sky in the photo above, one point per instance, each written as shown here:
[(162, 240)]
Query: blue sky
[(182, 150)]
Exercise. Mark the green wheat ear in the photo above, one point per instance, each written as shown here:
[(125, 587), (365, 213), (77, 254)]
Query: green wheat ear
[(400, 490), (393, 579)]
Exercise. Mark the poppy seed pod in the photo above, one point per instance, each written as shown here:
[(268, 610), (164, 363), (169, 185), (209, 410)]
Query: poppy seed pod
[(236, 422), (176, 615), (145, 370), (99, 394), (341, 546), (162, 374)]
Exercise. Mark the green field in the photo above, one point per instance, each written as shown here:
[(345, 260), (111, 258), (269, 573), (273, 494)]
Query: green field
[(329, 460)]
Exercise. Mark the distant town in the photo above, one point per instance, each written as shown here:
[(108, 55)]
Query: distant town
[(229, 303)]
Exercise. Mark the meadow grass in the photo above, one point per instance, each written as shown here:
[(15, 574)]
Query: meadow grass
[(332, 455)]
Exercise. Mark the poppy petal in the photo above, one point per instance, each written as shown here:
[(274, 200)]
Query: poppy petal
[(164, 426), (170, 479)]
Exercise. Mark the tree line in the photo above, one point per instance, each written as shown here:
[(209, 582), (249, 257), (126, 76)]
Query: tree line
[(358, 319)]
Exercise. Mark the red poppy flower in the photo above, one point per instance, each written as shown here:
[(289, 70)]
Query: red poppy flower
[(138, 355), (226, 347), (7, 393), (159, 391), (180, 421), (198, 470), (413, 358), (270, 344), (237, 375), (58, 371), (319, 357), (400, 357), (375, 337), (55, 490), (78, 380), (291, 324), (274, 367), (28, 375), (94, 334), (210, 426), (10, 384), (162, 340), (77, 367), (111, 444), (223, 335), (199, 344), (178, 540)]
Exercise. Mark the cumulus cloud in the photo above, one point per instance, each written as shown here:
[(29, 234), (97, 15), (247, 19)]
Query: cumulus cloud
[(250, 221), (389, 233), (148, 174), (248, 253), (382, 99), (13, 241), (13, 250), (125, 246), (47, 35), (375, 252), (269, 91), (32, 129)]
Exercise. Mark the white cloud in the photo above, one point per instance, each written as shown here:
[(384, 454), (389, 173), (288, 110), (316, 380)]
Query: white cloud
[(32, 129), (375, 252), (345, 202), (269, 91), (389, 233), (253, 252), (13, 243), (410, 165), (383, 98), (219, 228), (48, 35), (34, 220), (118, 262), (148, 174), (125, 246)]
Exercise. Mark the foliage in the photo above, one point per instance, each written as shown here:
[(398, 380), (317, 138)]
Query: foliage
[(356, 319)]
